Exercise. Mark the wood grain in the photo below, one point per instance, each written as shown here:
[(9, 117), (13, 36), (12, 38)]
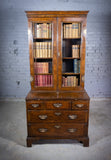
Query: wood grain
[(69, 118)]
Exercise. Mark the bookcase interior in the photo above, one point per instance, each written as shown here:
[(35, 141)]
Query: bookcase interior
[(43, 54), (71, 42)]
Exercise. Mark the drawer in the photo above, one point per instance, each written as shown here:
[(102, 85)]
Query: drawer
[(56, 129), (57, 116), (57, 104), (80, 104)]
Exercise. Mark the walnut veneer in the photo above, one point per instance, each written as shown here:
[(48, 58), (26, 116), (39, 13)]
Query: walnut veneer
[(57, 112)]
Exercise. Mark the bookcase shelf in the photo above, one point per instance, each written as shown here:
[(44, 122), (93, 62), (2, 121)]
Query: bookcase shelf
[(72, 38), (42, 58), (70, 74), (67, 58), (43, 73), (35, 38)]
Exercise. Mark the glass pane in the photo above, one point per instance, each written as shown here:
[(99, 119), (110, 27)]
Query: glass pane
[(42, 30), (43, 54), (71, 57)]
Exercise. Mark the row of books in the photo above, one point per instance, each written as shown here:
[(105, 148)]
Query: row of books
[(42, 67), (72, 30), (42, 49), (43, 80), (76, 66), (42, 30), (70, 81), (75, 51)]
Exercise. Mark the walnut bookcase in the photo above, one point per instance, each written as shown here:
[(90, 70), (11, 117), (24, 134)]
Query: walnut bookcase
[(57, 105)]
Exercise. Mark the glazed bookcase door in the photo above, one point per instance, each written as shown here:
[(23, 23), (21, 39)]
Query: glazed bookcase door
[(43, 61), (71, 53)]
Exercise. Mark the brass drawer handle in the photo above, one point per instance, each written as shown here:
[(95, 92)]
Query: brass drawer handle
[(79, 105), (73, 116), (42, 130), (57, 113), (57, 126), (72, 130), (35, 105), (57, 105), (42, 117)]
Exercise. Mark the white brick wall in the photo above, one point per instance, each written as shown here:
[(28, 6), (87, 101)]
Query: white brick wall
[(14, 52)]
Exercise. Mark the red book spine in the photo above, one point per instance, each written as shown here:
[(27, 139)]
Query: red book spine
[(36, 68), (43, 76), (51, 80), (40, 80), (35, 80), (46, 79), (40, 70)]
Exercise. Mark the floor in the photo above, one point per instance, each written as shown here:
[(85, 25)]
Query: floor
[(13, 136)]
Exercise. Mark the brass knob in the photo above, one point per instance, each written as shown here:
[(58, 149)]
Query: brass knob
[(57, 126), (83, 78), (42, 117), (57, 105), (35, 105), (72, 130), (57, 113), (42, 130), (79, 105), (73, 116), (31, 79)]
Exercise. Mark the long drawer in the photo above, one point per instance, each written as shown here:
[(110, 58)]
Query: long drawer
[(56, 129), (57, 104), (41, 116)]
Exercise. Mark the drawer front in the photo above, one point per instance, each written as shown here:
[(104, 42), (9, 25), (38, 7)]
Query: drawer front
[(80, 104), (57, 116), (34, 105), (56, 129), (57, 104)]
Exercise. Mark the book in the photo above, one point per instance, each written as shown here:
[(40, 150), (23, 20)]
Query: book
[(79, 30), (70, 81), (42, 30), (64, 31), (76, 66), (41, 67), (49, 49), (75, 51), (72, 30), (50, 30), (42, 49), (43, 80)]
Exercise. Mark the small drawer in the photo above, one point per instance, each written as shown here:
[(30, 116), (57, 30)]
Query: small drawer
[(56, 129), (57, 104), (80, 104), (57, 116), (33, 105)]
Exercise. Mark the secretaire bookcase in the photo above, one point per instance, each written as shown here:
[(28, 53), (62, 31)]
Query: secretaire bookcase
[(57, 106)]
